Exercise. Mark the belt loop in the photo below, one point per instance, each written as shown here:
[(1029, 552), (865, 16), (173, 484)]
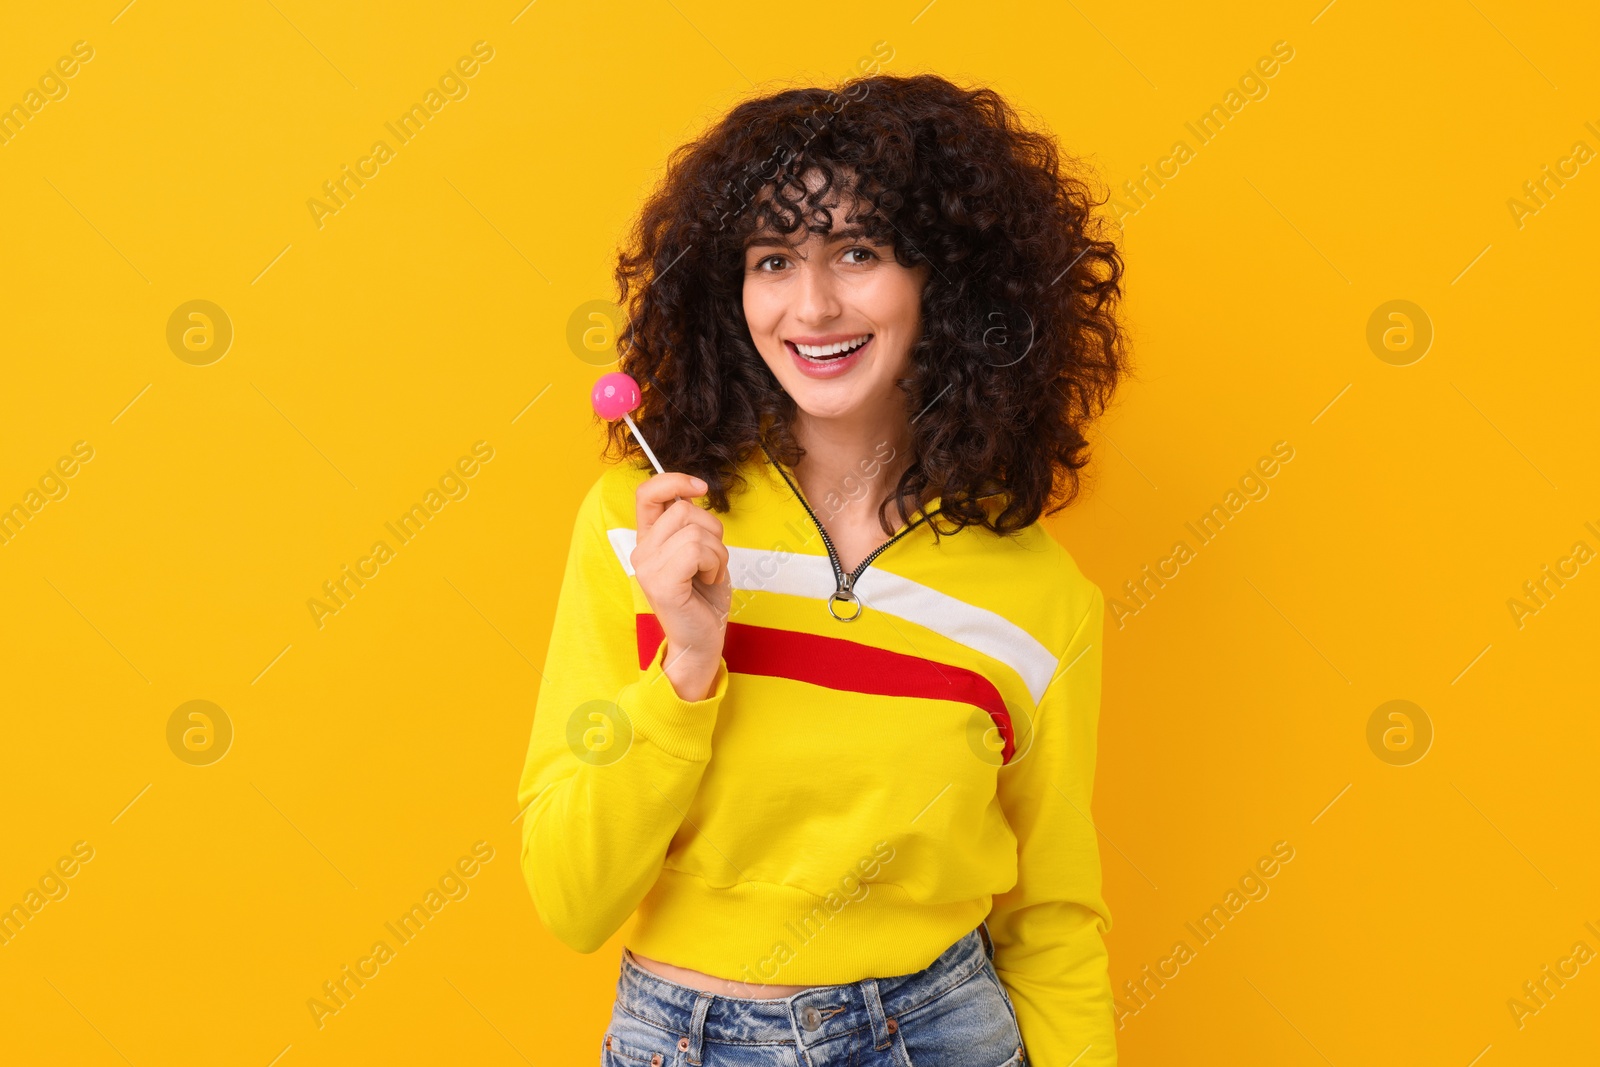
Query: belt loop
[(694, 1043), (988, 942), (881, 1032)]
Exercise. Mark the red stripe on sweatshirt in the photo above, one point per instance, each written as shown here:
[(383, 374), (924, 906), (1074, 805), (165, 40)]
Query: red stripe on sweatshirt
[(838, 663)]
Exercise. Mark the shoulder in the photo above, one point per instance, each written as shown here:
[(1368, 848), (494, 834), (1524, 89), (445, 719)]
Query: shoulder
[(1083, 602), (1036, 578), (1080, 603)]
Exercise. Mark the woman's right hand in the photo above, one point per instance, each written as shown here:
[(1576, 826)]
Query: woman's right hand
[(682, 566)]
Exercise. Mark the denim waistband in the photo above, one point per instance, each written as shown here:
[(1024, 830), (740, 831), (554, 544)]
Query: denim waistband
[(809, 1016)]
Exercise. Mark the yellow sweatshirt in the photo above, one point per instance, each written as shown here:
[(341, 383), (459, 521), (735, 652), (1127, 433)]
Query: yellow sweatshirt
[(851, 797)]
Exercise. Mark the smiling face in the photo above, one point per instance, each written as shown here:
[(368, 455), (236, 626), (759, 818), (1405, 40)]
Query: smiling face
[(835, 318)]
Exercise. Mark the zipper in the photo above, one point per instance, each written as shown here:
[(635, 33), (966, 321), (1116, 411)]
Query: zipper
[(845, 583)]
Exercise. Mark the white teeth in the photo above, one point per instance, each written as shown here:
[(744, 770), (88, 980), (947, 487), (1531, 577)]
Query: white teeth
[(823, 351)]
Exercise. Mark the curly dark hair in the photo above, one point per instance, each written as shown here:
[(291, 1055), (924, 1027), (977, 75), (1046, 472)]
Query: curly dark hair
[(1020, 345)]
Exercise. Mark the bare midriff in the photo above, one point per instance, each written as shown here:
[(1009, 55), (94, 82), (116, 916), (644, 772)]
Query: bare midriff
[(725, 987)]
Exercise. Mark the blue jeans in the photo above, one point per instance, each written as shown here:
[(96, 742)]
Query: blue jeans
[(952, 1013)]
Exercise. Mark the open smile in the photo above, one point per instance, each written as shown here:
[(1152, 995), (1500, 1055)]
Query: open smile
[(829, 361)]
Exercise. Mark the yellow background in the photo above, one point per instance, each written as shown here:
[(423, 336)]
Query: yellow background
[(430, 313)]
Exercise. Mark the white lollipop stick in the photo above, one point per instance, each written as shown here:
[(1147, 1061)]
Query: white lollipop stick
[(637, 436)]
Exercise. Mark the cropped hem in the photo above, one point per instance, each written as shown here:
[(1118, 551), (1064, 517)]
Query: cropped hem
[(768, 933)]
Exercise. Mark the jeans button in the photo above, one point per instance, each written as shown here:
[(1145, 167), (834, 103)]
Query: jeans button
[(810, 1018)]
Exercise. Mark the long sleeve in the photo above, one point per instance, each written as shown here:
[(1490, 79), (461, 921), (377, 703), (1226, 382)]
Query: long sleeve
[(615, 757), (1047, 929)]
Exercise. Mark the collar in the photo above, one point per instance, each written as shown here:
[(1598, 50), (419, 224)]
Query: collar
[(788, 475)]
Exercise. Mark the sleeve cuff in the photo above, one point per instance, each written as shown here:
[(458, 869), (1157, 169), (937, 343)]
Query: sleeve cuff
[(680, 727)]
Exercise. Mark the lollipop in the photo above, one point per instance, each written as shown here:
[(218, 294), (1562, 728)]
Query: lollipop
[(615, 395)]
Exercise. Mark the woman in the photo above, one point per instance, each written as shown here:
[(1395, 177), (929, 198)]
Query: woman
[(831, 736)]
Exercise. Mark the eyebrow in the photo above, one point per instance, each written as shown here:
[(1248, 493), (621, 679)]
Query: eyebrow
[(849, 233)]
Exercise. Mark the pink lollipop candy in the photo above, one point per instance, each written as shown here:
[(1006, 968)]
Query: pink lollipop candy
[(613, 397)]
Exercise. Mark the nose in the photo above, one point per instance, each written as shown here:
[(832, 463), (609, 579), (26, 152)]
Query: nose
[(816, 294)]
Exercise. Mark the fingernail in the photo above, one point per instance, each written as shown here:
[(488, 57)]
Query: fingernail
[(700, 485)]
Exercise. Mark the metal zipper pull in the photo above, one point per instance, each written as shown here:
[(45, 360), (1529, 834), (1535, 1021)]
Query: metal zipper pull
[(845, 594)]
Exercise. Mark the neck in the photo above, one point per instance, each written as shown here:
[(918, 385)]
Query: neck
[(850, 467)]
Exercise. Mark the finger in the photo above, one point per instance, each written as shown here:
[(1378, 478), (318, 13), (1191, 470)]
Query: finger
[(667, 564), (658, 493), (723, 576), (718, 553), (691, 556), (677, 516), (718, 596), (681, 520)]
